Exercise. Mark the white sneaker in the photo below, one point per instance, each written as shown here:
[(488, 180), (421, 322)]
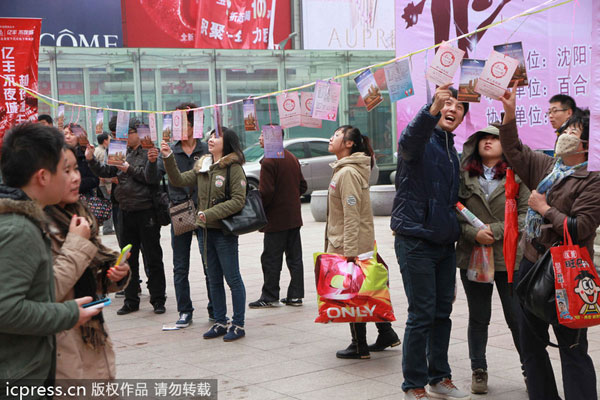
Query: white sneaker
[(416, 394), (446, 390)]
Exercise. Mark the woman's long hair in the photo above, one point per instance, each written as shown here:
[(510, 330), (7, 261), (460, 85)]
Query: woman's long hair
[(474, 164), (360, 141), (231, 143)]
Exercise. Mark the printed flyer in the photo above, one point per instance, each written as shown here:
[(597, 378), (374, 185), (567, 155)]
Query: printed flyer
[(145, 136), (306, 106), (122, 124), (496, 75), (167, 126), (470, 70), (273, 141), (117, 152), (444, 65), (515, 50), (198, 124), (288, 104), (326, 100), (399, 81), (152, 123), (250, 118)]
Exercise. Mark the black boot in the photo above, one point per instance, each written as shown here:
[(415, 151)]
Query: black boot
[(358, 349), (386, 337)]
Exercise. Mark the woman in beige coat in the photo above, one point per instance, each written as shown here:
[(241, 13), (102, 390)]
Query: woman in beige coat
[(349, 229), (82, 267)]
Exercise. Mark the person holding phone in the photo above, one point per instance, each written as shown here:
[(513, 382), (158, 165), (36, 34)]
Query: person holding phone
[(83, 266)]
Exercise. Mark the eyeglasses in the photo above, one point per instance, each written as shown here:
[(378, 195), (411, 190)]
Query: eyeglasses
[(555, 110)]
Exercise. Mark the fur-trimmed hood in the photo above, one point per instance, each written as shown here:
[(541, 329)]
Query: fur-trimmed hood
[(204, 164), (15, 201)]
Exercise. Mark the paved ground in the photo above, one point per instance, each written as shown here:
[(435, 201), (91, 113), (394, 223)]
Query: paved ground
[(285, 355)]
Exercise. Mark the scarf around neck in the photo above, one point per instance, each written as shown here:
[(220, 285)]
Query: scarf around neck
[(533, 220)]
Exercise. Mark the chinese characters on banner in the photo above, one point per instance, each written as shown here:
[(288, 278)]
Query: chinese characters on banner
[(555, 62), (233, 24), (19, 49)]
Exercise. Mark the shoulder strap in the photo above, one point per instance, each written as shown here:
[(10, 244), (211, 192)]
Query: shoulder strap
[(228, 186)]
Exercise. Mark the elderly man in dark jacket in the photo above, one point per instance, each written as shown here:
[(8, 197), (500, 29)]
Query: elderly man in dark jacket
[(137, 221), (281, 184), (426, 227), (186, 153)]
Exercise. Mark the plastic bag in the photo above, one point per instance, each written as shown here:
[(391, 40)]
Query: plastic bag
[(481, 264), (352, 291)]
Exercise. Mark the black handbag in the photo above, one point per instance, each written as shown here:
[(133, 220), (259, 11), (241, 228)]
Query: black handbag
[(536, 290), (160, 202), (250, 218)]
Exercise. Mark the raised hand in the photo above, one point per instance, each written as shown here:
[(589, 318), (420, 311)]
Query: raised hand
[(442, 94), (80, 226)]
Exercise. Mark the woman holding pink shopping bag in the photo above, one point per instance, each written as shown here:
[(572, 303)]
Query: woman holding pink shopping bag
[(349, 229)]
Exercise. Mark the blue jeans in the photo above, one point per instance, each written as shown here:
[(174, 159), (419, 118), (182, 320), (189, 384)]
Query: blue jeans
[(222, 261), (429, 275), (181, 246)]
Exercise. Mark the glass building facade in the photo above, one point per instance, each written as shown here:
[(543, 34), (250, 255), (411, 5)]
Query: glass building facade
[(159, 79)]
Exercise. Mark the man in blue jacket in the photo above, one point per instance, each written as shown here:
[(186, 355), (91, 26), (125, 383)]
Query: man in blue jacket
[(426, 228)]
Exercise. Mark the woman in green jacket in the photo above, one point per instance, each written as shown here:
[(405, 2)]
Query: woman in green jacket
[(213, 173), (481, 190)]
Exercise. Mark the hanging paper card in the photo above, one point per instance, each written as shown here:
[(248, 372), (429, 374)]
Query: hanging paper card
[(306, 106), (82, 139), (217, 122), (88, 119), (273, 141), (99, 122), (145, 136), (250, 120), (368, 88), (152, 123), (288, 105), (444, 65), (117, 151), (399, 82), (496, 75), (60, 122), (122, 124), (470, 70), (326, 100), (167, 127), (515, 50), (177, 122), (198, 124), (184, 125)]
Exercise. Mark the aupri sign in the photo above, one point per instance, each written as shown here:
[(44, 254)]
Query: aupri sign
[(68, 38)]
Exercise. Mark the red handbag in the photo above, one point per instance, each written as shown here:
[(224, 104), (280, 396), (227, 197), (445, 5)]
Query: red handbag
[(577, 285)]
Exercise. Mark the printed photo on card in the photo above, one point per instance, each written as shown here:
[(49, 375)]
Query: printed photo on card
[(273, 141), (250, 118), (444, 65), (117, 152), (99, 122), (368, 89), (288, 105), (145, 136), (326, 100), (217, 122), (496, 75), (515, 50), (60, 120), (152, 123), (198, 124), (306, 106), (122, 124), (470, 70), (398, 80), (82, 139), (167, 127), (177, 123)]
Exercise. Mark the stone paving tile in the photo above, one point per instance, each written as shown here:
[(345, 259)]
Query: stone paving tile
[(285, 355)]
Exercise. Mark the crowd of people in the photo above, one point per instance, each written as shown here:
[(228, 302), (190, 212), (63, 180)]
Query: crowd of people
[(53, 261)]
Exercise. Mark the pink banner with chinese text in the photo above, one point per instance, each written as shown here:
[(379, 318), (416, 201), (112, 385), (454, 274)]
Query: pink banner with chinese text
[(19, 50), (557, 46)]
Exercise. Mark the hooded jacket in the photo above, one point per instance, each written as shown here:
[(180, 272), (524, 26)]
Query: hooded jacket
[(427, 178), (576, 196), (211, 180), (490, 211), (349, 230), (29, 317)]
